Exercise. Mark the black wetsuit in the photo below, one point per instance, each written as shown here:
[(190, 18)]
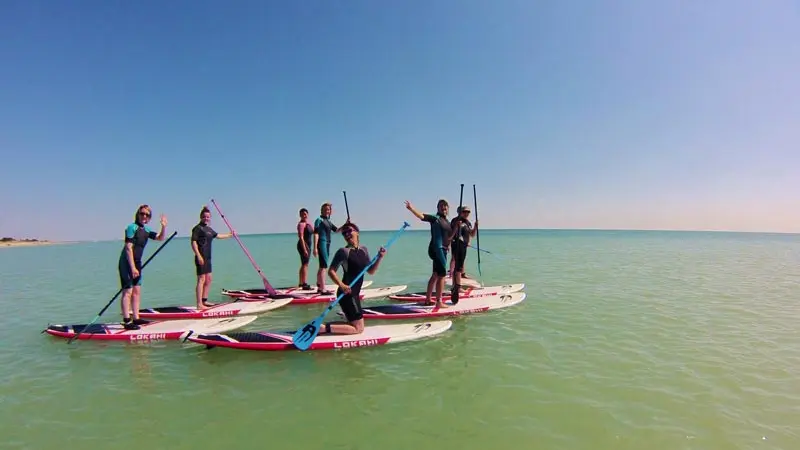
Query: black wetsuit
[(353, 261), (203, 235)]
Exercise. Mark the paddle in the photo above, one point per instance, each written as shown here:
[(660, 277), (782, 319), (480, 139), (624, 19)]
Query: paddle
[(120, 291), (478, 231), (304, 336), (268, 287), (347, 208)]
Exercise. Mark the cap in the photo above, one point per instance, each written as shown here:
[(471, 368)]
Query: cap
[(464, 208)]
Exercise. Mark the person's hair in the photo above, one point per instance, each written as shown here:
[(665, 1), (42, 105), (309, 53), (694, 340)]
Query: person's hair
[(141, 207), (322, 208), (303, 210), (442, 202), (204, 210)]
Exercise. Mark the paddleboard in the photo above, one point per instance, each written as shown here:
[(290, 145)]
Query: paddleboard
[(226, 309), (366, 294), (465, 293), (152, 331), (448, 280), (282, 340), (238, 293), (417, 310)]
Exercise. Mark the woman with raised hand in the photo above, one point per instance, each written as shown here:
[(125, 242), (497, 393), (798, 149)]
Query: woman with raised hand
[(130, 263)]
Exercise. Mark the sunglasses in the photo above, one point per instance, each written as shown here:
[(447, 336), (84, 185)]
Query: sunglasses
[(144, 214)]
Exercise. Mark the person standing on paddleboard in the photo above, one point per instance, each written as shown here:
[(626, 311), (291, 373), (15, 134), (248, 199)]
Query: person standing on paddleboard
[(202, 235), (462, 232), (130, 263), (353, 258), (441, 235), (304, 233), (322, 243)]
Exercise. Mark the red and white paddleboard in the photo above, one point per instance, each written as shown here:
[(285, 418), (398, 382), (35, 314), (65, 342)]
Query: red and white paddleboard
[(152, 331), (420, 311), (227, 309), (366, 294), (282, 340), (238, 293), (465, 293)]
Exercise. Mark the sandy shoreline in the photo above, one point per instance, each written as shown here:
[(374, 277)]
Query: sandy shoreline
[(32, 243)]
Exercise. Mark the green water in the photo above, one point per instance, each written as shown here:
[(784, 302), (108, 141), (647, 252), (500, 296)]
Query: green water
[(627, 340)]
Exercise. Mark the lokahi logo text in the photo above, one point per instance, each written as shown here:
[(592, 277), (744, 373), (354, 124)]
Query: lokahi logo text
[(219, 313), (148, 337), (354, 344)]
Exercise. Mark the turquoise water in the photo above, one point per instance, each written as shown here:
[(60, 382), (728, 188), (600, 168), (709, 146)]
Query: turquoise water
[(627, 340)]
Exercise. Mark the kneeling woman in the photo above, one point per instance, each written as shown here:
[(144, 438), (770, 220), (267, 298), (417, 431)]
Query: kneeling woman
[(353, 258)]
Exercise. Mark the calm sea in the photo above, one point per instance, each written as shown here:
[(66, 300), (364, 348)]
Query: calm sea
[(627, 340)]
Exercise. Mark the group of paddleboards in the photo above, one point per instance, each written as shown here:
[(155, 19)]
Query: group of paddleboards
[(213, 324)]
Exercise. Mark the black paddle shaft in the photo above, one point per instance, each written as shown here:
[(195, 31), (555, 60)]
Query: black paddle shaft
[(347, 208), (120, 291), (461, 199)]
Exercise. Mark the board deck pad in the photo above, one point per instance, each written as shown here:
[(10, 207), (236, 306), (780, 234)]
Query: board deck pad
[(467, 306), (284, 290), (373, 335), (226, 309), (152, 331), (366, 294), (464, 294)]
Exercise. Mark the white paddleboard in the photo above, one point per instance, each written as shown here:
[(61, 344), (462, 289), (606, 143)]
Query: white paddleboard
[(151, 331), (373, 335), (467, 306), (227, 309)]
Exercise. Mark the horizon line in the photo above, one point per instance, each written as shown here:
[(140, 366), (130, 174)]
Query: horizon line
[(643, 230)]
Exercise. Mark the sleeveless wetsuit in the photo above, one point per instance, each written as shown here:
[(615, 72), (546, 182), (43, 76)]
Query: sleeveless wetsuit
[(203, 235), (323, 227), (137, 235), (353, 261), (308, 231), (460, 241), (437, 248)]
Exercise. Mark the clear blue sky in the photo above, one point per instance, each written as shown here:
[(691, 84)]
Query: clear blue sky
[(617, 114)]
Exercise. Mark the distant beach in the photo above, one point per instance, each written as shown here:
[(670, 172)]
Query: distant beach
[(11, 242)]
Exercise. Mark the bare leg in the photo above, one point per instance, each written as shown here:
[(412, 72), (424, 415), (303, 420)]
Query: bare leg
[(136, 297), (207, 286), (303, 274), (429, 291), (439, 289), (321, 279), (126, 303), (199, 291)]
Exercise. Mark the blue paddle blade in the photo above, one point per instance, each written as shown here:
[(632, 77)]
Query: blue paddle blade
[(304, 336)]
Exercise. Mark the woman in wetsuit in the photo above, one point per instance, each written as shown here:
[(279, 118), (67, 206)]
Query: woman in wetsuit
[(304, 233), (322, 243), (130, 263), (441, 235), (353, 258), (463, 230), (202, 235)]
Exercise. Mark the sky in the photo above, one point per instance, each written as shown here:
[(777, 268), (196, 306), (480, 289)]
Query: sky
[(619, 114)]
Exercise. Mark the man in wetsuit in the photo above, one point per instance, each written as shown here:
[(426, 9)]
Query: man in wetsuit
[(202, 235), (462, 232), (353, 258), (322, 243), (441, 235), (304, 233), (130, 263)]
